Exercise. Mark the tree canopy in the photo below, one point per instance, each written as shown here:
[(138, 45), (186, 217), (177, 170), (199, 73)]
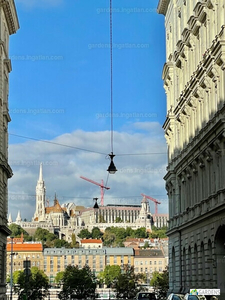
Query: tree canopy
[(84, 234), (158, 232), (33, 286), (17, 231), (126, 285), (109, 275), (78, 283), (160, 283)]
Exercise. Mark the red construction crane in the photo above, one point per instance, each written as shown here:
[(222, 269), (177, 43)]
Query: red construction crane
[(101, 186), (154, 200)]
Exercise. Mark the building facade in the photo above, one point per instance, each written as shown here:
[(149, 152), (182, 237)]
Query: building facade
[(194, 81), (57, 259), (8, 25), (32, 251), (148, 261)]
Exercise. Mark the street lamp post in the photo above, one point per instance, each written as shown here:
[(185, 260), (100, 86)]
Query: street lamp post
[(11, 277)]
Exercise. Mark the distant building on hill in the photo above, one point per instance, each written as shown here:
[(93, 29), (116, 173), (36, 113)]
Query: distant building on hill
[(69, 218)]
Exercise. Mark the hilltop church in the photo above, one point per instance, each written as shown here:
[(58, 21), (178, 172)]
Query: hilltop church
[(69, 218)]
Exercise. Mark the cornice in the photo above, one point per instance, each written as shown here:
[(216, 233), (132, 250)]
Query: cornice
[(162, 6), (10, 14), (5, 166), (5, 230)]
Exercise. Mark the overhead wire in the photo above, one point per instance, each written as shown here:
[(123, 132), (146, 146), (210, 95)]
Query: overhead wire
[(81, 149), (111, 73)]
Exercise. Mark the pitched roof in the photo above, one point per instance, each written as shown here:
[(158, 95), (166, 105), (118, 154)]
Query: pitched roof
[(91, 241), (31, 247)]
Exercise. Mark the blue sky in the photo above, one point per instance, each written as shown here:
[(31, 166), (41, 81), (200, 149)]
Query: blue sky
[(60, 92)]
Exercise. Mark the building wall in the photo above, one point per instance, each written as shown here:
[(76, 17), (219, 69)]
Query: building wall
[(8, 25), (57, 259), (194, 82)]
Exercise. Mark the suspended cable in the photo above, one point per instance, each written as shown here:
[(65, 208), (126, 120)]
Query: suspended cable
[(82, 149), (111, 74), (58, 144)]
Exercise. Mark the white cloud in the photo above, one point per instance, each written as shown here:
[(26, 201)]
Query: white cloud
[(62, 168), (39, 3)]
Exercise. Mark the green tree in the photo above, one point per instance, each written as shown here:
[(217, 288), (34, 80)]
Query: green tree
[(61, 243), (118, 220), (141, 233), (158, 232), (33, 287), (44, 235), (78, 283), (110, 274), (59, 278), (74, 243), (126, 285), (160, 283), (96, 233), (108, 238), (17, 230), (101, 219), (84, 234)]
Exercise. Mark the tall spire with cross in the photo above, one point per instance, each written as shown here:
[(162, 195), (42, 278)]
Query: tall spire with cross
[(40, 198)]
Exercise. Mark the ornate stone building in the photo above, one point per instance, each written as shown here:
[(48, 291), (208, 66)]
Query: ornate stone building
[(8, 25), (194, 81), (69, 218)]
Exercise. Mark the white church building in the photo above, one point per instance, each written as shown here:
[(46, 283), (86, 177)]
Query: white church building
[(69, 218)]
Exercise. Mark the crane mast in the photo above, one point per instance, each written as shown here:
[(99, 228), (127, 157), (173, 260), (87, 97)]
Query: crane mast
[(101, 185)]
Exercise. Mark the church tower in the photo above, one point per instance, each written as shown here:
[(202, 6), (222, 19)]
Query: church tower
[(145, 218), (40, 198)]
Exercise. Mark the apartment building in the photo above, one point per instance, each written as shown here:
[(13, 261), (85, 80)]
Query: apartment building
[(17, 253), (194, 82)]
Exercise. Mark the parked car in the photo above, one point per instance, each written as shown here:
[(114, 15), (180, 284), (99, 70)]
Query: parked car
[(175, 297), (194, 297), (145, 296)]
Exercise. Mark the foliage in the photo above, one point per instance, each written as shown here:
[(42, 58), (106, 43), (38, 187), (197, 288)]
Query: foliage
[(78, 283), (160, 282), (146, 245), (126, 284), (158, 232), (84, 234), (59, 277), (44, 235), (115, 236), (96, 233), (34, 286), (101, 219), (49, 239), (61, 243), (109, 238), (109, 275), (74, 243), (141, 233), (118, 220), (17, 230)]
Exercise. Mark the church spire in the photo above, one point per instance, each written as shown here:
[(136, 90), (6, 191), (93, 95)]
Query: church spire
[(10, 219), (18, 218), (40, 174)]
